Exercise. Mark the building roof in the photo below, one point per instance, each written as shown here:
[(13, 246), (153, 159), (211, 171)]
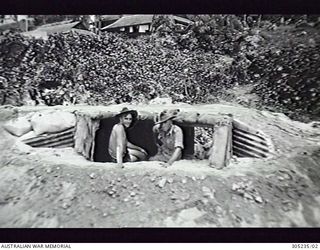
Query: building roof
[(58, 28), (8, 25), (110, 17), (44, 35), (130, 21), (55, 23), (182, 20)]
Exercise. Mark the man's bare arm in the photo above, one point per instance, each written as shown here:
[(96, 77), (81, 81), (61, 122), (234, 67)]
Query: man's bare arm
[(175, 156)]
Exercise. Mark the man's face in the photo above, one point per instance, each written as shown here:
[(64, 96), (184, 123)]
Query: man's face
[(165, 126), (126, 120)]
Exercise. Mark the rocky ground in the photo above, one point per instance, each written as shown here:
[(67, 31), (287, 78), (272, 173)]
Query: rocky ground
[(58, 188)]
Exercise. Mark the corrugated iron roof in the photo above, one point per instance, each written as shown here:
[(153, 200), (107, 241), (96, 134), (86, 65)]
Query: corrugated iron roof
[(58, 28), (43, 34), (53, 140), (182, 19), (8, 25), (55, 23), (131, 20), (110, 17)]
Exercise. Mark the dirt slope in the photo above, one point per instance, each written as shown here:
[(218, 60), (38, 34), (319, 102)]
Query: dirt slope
[(58, 188)]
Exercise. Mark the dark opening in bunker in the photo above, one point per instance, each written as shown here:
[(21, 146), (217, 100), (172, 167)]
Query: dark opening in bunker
[(141, 135), (216, 137)]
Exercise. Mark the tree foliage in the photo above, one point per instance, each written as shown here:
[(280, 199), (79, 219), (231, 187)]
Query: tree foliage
[(192, 64)]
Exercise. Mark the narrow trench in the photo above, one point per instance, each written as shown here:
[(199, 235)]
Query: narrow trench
[(197, 140), (141, 135)]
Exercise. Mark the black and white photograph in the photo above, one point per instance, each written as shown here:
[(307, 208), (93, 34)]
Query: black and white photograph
[(160, 121)]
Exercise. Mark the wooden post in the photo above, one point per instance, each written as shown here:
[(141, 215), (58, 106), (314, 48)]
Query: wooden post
[(222, 145), (259, 20), (99, 27)]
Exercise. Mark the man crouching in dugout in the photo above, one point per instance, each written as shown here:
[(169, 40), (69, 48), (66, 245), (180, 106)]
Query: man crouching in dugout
[(169, 139)]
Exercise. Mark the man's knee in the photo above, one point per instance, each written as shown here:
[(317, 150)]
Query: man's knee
[(133, 158)]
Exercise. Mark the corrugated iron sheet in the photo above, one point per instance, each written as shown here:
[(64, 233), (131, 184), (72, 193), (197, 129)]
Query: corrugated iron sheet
[(53, 140), (249, 143)]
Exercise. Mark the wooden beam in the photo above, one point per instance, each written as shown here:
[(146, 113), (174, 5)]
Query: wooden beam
[(229, 152), (221, 152)]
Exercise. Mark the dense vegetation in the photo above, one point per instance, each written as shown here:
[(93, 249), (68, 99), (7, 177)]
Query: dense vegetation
[(192, 64)]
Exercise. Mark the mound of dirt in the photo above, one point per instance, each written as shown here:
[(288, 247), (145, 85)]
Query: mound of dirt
[(58, 188)]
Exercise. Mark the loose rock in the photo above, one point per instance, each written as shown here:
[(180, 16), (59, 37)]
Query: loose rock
[(247, 196), (92, 175), (132, 194), (258, 199), (170, 180), (185, 197), (65, 205), (207, 192), (162, 182)]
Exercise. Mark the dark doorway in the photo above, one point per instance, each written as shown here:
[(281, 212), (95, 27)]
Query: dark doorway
[(140, 134), (188, 141)]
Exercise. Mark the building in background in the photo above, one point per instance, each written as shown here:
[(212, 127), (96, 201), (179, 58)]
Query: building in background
[(16, 23), (140, 24), (62, 27)]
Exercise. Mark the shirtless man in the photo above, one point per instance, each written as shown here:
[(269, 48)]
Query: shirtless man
[(120, 149)]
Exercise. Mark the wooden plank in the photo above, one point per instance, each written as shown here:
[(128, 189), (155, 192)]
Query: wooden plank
[(229, 148), (194, 125), (221, 139), (95, 124), (214, 119), (144, 115)]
